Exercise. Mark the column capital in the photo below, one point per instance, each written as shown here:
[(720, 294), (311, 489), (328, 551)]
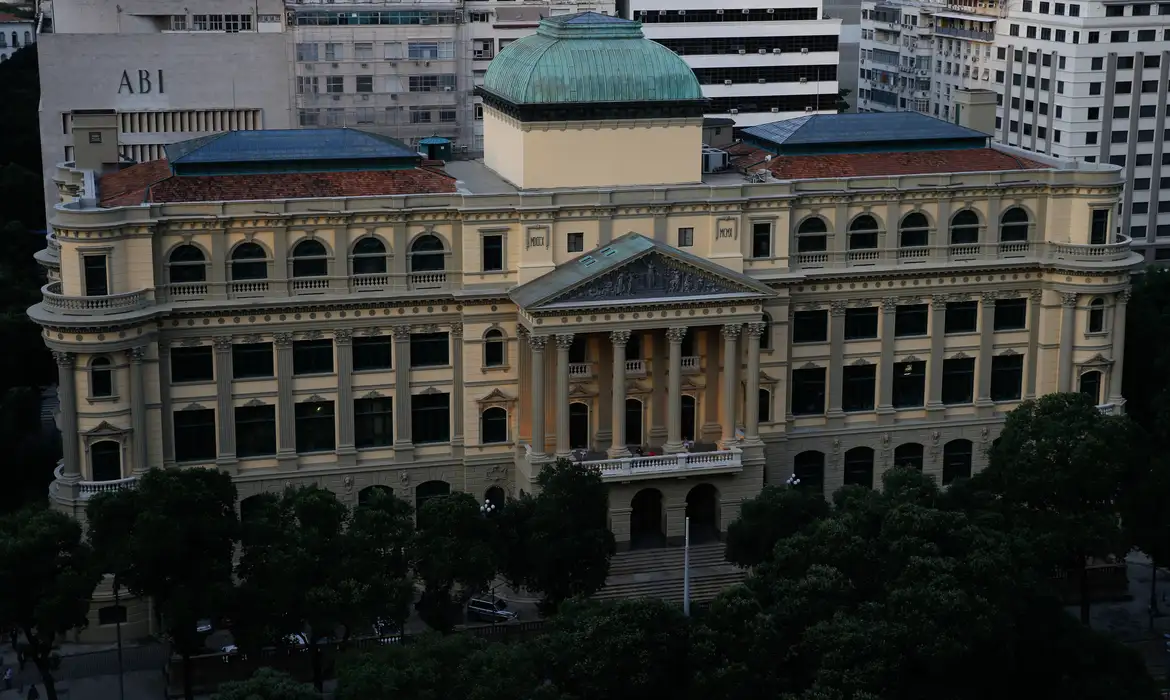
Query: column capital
[(939, 301), (988, 298), (1068, 299), (755, 330), (401, 333), (676, 335), (64, 359), (620, 338), (282, 340), (1124, 295), (343, 336), (457, 329), (838, 308), (522, 331), (538, 342), (564, 341), (136, 354), (222, 343), (729, 332)]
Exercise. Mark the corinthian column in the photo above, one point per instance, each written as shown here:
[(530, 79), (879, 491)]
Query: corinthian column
[(1118, 329), (1068, 320), (343, 339), (564, 342), (730, 365), (674, 337), (752, 400), (618, 446), (67, 401), (137, 408), (537, 343)]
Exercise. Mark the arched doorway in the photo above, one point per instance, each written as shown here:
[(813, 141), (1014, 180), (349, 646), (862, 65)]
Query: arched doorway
[(646, 520), (908, 455), (809, 470), (1090, 385), (425, 492), (369, 493), (859, 467), (703, 510), (633, 422), (495, 496), (689, 416), (579, 426)]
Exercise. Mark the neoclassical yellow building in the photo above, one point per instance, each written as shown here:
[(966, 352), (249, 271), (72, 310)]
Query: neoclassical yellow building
[(836, 295)]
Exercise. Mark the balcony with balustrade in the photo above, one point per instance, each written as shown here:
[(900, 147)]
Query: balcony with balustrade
[(55, 302), (680, 464), (88, 489)]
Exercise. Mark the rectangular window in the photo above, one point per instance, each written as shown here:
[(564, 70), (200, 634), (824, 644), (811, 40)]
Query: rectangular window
[(686, 237), (858, 382), (255, 431), (1119, 37), (195, 435), (373, 422), (96, 280), (429, 350), (910, 320), (335, 84), (1120, 113), (958, 380), (576, 242), (306, 52), (372, 353), (1007, 377), (1011, 314), (808, 391), (314, 426), (365, 83), (961, 317), (810, 326), (1094, 37), (761, 239), (333, 52), (1147, 35), (251, 360), (430, 418), (192, 364), (1100, 227), (1123, 87), (312, 356), (1094, 88), (363, 51), (493, 253), (861, 323), (909, 390)]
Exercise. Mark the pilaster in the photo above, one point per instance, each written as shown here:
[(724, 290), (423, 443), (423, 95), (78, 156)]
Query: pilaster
[(403, 440), (836, 361), (164, 393), (538, 343), (346, 449), (752, 384), (1034, 298), (934, 367), (457, 390), (1118, 334), (1068, 322), (225, 458), (67, 405), (986, 351), (564, 342), (286, 435), (885, 404), (730, 363), (136, 355)]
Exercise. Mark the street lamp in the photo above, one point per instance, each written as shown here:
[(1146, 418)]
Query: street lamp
[(486, 509)]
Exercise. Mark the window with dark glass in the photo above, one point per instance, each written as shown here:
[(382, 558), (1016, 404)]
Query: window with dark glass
[(579, 349), (965, 228), (195, 435), (914, 231), (812, 236), (430, 418), (809, 469), (310, 259), (427, 254), (863, 233), (372, 352), (493, 253), (101, 377), (1099, 229), (961, 317), (373, 422), (1013, 226), (958, 380), (576, 242), (761, 239), (313, 356), (255, 431), (249, 262), (808, 391), (96, 279), (810, 326), (909, 387), (859, 467), (369, 257), (956, 461), (1097, 316), (911, 319), (1007, 377), (861, 323), (187, 264), (192, 364), (493, 349), (250, 360), (1011, 314), (314, 426), (858, 387), (105, 460), (493, 426), (429, 350), (909, 455), (765, 406), (686, 237)]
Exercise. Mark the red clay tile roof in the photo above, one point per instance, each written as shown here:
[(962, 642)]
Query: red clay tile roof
[(880, 164), (7, 18), (152, 182)]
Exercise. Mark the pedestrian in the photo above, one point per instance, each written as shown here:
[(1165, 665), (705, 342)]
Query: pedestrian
[(33, 693), (8, 678)]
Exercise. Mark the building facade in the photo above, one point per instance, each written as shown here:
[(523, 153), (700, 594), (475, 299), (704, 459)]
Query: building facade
[(1083, 80), (15, 32), (314, 307)]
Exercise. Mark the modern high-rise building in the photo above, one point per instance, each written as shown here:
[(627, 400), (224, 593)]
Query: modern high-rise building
[(1081, 80), (757, 60)]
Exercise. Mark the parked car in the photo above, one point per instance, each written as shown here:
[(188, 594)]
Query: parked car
[(489, 609)]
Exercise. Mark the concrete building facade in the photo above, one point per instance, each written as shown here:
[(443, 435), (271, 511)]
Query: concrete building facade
[(15, 33)]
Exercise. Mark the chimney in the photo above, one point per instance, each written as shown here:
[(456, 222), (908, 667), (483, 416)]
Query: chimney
[(975, 109), (95, 139)]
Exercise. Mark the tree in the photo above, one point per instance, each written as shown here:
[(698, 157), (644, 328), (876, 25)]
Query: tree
[(265, 684), (773, 514), (842, 103), (559, 542), (453, 545), (1055, 471), (180, 549), (46, 582), (377, 548)]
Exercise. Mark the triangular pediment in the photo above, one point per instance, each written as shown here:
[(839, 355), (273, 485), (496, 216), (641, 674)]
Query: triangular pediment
[(634, 268)]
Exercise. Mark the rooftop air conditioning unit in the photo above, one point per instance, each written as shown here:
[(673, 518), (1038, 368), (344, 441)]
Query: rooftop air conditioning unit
[(733, 111), (337, 98), (662, 12), (777, 51), (718, 12), (775, 110), (727, 82), (334, 65), (447, 88), (808, 109), (308, 66), (761, 81), (771, 11), (365, 98), (742, 52), (365, 65), (804, 50), (804, 80), (763, 51), (745, 11), (682, 12)]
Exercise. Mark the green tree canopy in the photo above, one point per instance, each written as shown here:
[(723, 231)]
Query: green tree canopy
[(454, 545), (266, 684), (773, 514)]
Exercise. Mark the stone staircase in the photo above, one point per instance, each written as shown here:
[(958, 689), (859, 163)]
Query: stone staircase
[(658, 573)]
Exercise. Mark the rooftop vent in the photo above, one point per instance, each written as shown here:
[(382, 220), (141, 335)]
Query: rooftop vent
[(588, 260)]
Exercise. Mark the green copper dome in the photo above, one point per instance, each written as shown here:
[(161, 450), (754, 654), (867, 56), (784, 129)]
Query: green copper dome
[(589, 57)]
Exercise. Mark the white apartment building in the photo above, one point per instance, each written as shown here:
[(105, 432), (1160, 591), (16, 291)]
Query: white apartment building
[(1082, 80), (757, 60), (15, 33)]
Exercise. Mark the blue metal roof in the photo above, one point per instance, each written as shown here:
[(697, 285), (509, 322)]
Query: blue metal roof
[(282, 145), (874, 131)]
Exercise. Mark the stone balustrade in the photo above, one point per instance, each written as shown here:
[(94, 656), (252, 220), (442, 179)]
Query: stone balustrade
[(87, 489), (627, 468), (56, 302)]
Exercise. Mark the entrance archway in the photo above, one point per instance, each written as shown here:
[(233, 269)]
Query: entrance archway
[(425, 492), (703, 510), (579, 426), (646, 520), (495, 496), (633, 422), (370, 492), (689, 415)]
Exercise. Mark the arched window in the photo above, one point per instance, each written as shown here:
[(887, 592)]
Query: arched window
[(310, 259), (1097, 316), (809, 469), (187, 264), (908, 455), (914, 231), (765, 406), (493, 426), (766, 335), (1013, 226), (956, 461), (369, 257), (965, 228), (426, 254), (1090, 385), (105, 460), (493, 348), (812, 236), (15, 41), (101, 377), (249, 262), (863, 233), (859, 467)]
